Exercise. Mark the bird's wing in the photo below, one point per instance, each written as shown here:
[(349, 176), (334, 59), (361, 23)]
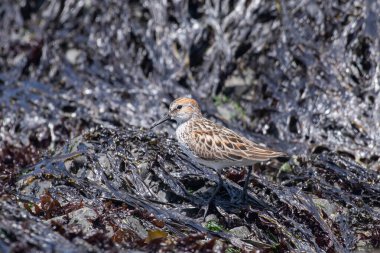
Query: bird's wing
[(214, 142)]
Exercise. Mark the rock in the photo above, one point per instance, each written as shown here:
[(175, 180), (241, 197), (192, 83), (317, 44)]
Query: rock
[(104, 161), (211, 217), (143, 167), (163, 196), (329, 208), (81, 218), (135, 225), (235, 81), (227, 111), (72, 55), (241, 232), (31, 186)]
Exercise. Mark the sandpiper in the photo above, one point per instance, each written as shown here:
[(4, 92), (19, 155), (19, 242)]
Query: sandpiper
[(212, 145)]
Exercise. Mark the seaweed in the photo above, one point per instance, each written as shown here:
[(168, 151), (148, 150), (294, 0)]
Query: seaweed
[(81, 80)]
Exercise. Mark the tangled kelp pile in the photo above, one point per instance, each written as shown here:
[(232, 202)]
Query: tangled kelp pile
[(134, 189), (302, 77)]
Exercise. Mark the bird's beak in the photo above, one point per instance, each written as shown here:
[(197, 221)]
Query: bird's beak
[(158, 122)]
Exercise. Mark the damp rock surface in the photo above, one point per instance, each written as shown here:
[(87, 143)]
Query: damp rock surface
[(81, 80)]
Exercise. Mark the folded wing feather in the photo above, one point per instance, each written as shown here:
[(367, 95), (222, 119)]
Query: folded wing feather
[(214, 142)]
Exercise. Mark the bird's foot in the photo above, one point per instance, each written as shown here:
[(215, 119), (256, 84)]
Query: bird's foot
[(212, 198), (243, 197), (205, 209), (210, 201), (244, 194)]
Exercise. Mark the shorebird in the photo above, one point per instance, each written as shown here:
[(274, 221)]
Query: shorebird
[(212, 145)]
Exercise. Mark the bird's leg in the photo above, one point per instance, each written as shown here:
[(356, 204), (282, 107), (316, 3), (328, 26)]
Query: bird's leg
[(217, 189), (246, 183), (218, 186)]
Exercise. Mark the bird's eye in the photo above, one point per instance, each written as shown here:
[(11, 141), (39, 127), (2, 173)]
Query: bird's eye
[(179, 107)]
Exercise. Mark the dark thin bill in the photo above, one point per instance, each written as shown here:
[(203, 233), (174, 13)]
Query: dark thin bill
[(162, 120)]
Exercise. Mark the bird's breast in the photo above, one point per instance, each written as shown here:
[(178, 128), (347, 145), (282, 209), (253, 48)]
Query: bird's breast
[(183, 134)]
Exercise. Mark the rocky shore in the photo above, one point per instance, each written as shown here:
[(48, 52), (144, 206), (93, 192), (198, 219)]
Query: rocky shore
[(82, 80)]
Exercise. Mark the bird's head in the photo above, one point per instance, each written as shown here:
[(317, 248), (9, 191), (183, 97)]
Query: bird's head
[(180, 110)]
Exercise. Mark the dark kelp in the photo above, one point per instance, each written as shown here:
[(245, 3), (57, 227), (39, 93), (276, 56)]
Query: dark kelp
[(120, 178), (301, 78)]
